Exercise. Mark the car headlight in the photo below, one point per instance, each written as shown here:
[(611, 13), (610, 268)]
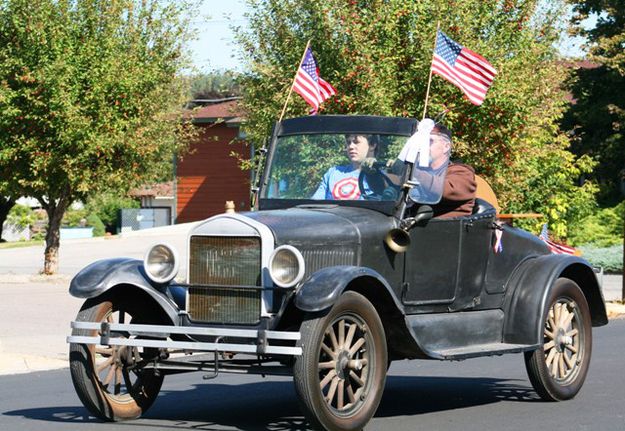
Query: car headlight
[(161, 263), (286, 266)]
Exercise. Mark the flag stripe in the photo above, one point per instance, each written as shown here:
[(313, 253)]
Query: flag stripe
[(450, 74), (554, 247), (468, 83), (464, 68), (309, 84), (474, 92), (473, 72), (481, 61)]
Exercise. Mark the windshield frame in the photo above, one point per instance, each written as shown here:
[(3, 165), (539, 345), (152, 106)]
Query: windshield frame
[(328, 124)]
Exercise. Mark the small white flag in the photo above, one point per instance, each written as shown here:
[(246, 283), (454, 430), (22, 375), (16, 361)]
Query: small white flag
[(418, 145)]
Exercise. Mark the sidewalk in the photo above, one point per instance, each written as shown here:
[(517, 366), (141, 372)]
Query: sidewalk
[(35, 310)]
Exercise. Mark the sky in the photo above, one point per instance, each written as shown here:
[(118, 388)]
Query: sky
[(215, 47), (215, 44)]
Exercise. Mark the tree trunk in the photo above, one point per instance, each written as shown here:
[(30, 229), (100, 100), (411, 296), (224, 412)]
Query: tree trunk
[(5, 206), (55, 211)]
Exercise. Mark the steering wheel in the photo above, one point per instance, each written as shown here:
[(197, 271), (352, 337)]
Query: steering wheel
[(380, 185)]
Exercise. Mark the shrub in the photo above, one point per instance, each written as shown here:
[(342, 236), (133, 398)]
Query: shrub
[(610, 258), (107, 205), (98, 227), (602, 229), (74, 218), (21, 216)]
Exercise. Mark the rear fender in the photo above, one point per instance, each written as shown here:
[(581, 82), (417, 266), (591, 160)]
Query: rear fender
[(102, 276), (529, 292)]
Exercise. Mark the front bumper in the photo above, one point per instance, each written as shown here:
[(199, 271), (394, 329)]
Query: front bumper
[(238, 340)]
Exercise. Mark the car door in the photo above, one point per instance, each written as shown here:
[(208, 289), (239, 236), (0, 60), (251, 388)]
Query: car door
[(475, 243), (431, 265)]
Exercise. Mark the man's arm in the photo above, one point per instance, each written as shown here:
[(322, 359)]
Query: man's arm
[(460, 183)]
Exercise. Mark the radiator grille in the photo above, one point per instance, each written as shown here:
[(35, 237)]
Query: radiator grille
[(230, 305), (224, 261), (219, 267)]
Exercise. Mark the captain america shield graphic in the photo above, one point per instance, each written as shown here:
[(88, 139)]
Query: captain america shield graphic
[(346, 189)]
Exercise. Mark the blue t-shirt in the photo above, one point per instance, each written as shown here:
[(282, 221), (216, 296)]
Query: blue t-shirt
[(340, 183)]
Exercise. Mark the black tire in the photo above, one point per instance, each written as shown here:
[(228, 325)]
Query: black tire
[(100, 375), (340, 376), (558, 369)]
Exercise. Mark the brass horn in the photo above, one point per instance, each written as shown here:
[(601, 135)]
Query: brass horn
[(397, 240)]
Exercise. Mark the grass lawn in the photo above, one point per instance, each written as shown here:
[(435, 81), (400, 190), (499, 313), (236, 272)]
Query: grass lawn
[(19, 244)]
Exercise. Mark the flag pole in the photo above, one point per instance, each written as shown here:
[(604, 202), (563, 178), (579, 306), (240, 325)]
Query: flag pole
[(427, 93), (294, 78)]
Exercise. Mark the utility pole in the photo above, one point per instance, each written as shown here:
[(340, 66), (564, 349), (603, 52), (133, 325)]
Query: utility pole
[(623, 272)]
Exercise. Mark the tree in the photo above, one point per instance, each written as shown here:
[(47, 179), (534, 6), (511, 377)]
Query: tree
[(89, 98), (377, 54), (215, 85), (6, 203), (597, 119)]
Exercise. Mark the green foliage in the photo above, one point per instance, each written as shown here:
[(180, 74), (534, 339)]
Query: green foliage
[(90, 97), (84, 218), (610, 258), (97, 225), (602, 229), (21, 216), (75, 218), (215, 85), (107, 205), (597, 119), (377, 54)]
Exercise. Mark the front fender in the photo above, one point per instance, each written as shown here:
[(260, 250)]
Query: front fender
[(325, 286), (529, 292), (103, 275)]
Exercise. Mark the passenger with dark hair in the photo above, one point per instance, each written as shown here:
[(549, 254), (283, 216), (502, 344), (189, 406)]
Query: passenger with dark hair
[(341, 182)]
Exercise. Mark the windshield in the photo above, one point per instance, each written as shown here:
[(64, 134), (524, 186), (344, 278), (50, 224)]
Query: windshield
[(330, 167)]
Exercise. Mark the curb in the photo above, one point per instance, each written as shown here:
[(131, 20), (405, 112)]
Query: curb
[(21, 364), (35, 278), (615, 310)]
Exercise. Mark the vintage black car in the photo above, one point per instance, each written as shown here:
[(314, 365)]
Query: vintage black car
[(331, 291)]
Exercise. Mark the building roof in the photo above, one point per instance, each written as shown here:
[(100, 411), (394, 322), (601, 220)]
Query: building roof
[(230, 111), (159, 190)]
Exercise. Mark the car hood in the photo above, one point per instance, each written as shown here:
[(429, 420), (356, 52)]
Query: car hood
[(324, 225), (326, 235)]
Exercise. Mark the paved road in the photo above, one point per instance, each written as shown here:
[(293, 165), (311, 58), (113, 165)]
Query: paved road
[(478, 394)]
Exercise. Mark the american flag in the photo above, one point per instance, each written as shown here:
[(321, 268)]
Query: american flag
[(555, 247), (469, 71), (309, 84)]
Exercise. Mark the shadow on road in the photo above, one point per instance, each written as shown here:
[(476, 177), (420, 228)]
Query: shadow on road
[(273, 405)]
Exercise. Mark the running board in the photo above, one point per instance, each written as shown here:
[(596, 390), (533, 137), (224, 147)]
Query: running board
[(462, 335), (483, 350)]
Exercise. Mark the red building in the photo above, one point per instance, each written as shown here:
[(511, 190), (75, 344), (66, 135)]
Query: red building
[(208, 175)]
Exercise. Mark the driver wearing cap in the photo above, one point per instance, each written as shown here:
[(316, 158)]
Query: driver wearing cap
[(453, 182)]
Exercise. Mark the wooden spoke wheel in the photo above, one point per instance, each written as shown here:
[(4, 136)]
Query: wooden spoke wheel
[(558, 369), (340, 376), (108, 379)]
